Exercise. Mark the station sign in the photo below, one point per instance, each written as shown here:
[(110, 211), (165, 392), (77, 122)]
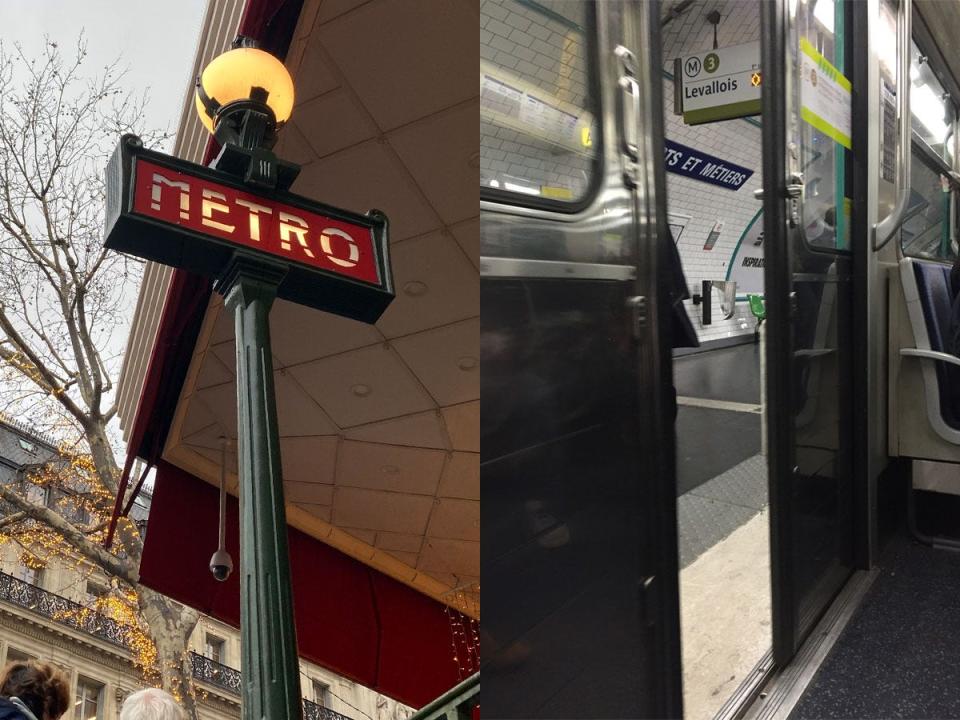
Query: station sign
[(746, 264), (697, 165), (718, 84), (189, 216)]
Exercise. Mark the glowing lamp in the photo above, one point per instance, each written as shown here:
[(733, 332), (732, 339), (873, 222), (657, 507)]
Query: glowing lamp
[(244, 97), (241, 80)]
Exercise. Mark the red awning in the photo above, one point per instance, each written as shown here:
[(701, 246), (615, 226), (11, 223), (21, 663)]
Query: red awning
[(350, 618)]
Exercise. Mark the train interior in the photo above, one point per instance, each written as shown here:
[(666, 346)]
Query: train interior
[(814, 581)]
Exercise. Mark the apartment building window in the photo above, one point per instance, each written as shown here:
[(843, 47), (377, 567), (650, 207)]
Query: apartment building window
[(214, 648), (321, 693), (38, 494), (94, 593), (29, 573), (14, 655), (89, 700)]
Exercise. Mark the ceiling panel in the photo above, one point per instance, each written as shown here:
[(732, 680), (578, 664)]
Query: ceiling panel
[(297, 414), (339, 334), (461, 477), (441, 152), (454, 519), (308, 493), (321, 512), (467, 234), (390, 467), (436, 285), (402, 543), (363, 386), (463, 425), (316, 114), (402, 80), (214, 372), (377, 510), (384, 184), (446, 360), (309, 459), (459, 557), (420, 430), (314, 77)]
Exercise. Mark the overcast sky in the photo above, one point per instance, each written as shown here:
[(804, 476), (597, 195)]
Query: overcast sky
[(155, 39)]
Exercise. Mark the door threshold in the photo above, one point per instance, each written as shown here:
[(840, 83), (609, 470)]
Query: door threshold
[(776, 699), (737, 704)]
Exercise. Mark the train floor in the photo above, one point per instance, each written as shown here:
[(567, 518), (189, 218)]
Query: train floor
[(899, 655), (723, 523)]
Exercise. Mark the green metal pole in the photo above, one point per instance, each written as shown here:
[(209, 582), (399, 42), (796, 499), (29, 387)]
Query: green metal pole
[(269, 666)]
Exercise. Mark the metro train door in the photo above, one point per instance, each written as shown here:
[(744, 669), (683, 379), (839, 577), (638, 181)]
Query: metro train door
[(578, 537), (809, 174)]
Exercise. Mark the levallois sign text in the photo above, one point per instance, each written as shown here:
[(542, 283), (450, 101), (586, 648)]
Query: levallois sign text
[(192, 217)]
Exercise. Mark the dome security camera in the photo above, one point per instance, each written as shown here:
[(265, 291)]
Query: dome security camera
[(221, 565)]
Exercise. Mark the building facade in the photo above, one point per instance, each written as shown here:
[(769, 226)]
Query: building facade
[(46, 613)]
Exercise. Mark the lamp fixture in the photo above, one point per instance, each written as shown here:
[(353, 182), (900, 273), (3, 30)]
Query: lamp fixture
[(243, 98)]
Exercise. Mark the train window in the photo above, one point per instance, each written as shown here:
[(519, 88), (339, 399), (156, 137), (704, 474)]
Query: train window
[(824, 148), (538, 138), (926, 230), (930, 106)]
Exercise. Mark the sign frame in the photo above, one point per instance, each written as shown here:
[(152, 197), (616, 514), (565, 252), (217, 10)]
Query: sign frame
[(135, 233), (699, 68)]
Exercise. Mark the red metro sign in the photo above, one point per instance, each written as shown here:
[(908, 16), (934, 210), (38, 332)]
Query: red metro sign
[(189, 216)]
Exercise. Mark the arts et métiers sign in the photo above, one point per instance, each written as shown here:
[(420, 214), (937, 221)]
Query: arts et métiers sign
[(696, 165), (189, 216), (718, 84)]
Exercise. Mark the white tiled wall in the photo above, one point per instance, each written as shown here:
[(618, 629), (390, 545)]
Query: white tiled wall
[(736, 141), (530, 44), (549, 54)]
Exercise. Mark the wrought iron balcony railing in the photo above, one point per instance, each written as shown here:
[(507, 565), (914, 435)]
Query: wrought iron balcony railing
[(74, 615), (223, 676), (314, 711), (61, 610), (228, 678)]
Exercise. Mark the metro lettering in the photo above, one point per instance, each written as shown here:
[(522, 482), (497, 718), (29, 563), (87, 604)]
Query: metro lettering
[(291, 232)]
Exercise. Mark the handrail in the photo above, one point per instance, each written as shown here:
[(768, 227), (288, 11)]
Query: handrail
[(884, 230), (930, 355), (451, 703)]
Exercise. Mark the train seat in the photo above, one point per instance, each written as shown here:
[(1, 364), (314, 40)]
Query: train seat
[(922, 375)]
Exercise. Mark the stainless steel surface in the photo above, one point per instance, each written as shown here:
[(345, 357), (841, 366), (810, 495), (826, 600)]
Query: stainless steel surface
[(572, 405), (527, 268), (784, 689), (886, 228)]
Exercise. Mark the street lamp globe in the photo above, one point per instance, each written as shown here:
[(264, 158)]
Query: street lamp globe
[(240, 81)]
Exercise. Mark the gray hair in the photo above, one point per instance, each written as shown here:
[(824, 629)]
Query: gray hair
[(151, 704)]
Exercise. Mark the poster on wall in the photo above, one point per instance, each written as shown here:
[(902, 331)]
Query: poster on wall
[(746, 265), (825, 100)]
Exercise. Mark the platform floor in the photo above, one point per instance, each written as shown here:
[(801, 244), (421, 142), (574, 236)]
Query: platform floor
[(899, 656), (723, 524)]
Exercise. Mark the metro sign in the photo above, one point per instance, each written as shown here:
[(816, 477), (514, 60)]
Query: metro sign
[(188, 216)]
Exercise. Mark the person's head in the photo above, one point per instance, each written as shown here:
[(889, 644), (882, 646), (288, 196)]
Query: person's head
[(150, 704), (39, 686)]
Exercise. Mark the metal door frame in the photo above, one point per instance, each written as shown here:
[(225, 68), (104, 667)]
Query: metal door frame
[(663, 604), (777, 99)]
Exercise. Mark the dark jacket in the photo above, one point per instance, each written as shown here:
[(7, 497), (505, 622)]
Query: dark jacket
[(9, 711)]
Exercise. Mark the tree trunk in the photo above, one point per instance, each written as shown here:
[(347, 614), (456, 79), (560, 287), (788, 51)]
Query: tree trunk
[(171, 625)]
